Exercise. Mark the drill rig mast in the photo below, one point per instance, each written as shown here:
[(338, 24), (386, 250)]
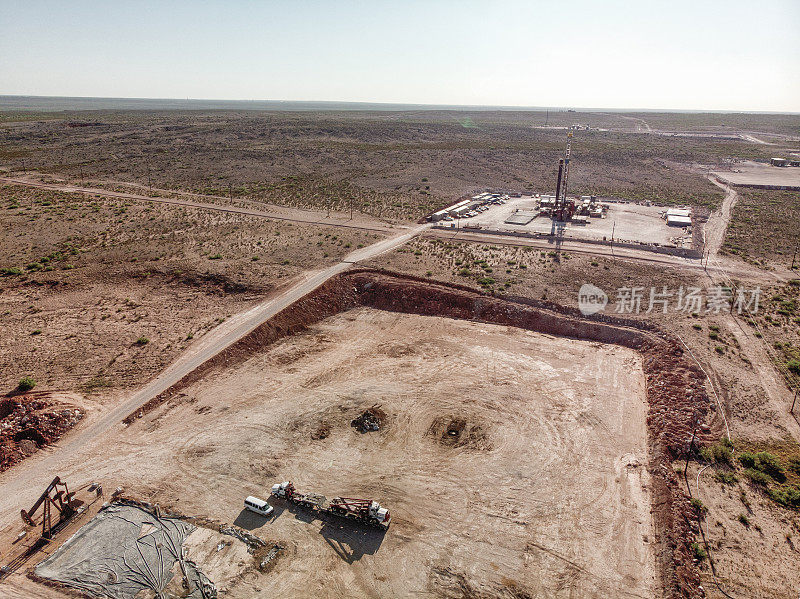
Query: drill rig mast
[(563, 210)]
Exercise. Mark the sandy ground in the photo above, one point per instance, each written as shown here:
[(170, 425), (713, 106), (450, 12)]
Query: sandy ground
[(118, 190), (387, 164), (87, 334), (625, 221), (96, 274), (717, 224), (739, 547), (544, 492), (755, 173)]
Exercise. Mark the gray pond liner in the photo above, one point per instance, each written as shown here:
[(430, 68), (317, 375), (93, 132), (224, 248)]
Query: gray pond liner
[(124, 550)]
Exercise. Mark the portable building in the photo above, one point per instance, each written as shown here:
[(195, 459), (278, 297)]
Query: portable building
[(678, 212), (679, 221)]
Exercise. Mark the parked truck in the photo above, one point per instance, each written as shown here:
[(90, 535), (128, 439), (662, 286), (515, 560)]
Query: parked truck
[(365, 511)]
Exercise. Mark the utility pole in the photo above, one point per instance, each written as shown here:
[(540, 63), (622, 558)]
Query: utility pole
[(351, 208), (796, 246), (703, 250), (613, 229)]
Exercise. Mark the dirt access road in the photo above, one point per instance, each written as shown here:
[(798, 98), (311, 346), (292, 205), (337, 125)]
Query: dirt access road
[(738, 269), (25, 481), (310, 217), (716, 227), (757, 351), (714, 232), (641, 124)]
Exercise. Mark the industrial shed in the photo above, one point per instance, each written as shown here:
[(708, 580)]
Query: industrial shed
[(675, 220)]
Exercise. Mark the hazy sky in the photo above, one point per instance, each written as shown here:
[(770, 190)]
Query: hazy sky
[(699, 54)]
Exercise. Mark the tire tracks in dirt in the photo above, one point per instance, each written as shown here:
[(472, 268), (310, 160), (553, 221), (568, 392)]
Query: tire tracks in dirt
[(714, 232), (297, 216)]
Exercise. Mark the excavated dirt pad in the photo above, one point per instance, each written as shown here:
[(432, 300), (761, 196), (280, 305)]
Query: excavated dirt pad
[(543, 493), (33, 420), (676, 395)]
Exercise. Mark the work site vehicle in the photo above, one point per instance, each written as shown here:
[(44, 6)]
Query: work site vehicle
[(365, 511), (259, 506)]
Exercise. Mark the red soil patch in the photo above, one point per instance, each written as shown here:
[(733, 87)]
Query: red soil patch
[(31, 421)]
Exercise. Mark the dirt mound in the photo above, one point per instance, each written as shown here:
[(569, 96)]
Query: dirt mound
[(369, 420), (31, 421), (678, 403)]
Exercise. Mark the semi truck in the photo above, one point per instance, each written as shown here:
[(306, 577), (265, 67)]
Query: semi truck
[(366, 511)]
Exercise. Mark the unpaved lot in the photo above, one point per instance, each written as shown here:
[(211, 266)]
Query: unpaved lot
[(749, 173), (623, 222), (542, 492)]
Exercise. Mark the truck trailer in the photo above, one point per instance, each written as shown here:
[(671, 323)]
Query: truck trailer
[(365, 511)]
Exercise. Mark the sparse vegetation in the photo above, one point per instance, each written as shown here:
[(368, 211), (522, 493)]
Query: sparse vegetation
[(719, 453), (762, 463), (744, 520), (787, 496), (89, 247), (757, 477), (136, 249), (775, 469), (95, 383), (311, 172), (763, 228), (26, 383), (726, 478), (698, 505), (698, 551)]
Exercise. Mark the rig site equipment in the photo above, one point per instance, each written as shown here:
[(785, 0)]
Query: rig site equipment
[(55, 497), (564, 208), (365, 511)]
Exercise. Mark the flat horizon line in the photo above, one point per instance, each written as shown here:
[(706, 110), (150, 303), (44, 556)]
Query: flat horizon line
[(354, 105)]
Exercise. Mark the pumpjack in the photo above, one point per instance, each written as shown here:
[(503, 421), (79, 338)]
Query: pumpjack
[(55, 498)]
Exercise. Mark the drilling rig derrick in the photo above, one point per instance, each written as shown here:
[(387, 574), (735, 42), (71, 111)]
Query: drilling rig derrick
[(563, 209)]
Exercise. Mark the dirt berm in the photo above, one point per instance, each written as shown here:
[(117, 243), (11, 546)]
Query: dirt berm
[(678, 403)]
